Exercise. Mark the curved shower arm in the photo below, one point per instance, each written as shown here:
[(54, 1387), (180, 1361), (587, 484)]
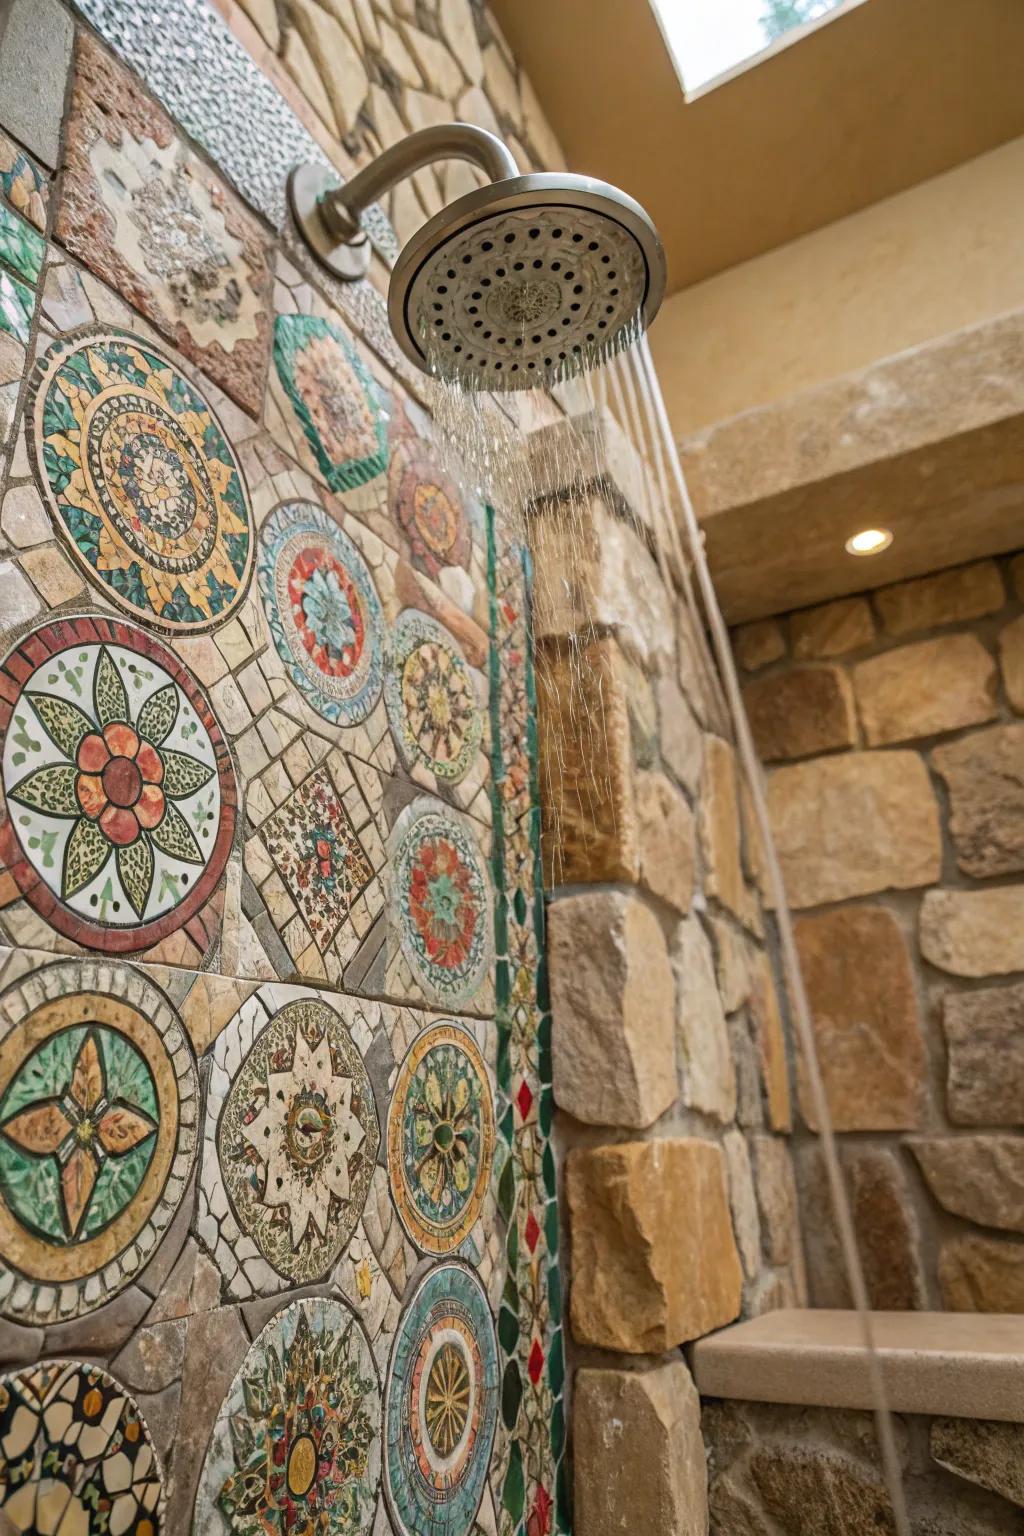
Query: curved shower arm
[(340, 207)]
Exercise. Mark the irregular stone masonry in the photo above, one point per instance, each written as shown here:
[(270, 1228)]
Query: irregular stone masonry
[(902, 844)]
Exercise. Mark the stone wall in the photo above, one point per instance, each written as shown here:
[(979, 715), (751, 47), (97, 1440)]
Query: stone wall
[(670, 1068), (891, 726), (778, 1471)]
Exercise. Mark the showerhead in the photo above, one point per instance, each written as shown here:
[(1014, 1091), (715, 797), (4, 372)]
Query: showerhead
[(526, 281)]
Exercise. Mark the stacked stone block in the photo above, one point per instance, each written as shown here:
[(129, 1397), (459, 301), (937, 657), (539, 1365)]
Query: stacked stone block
[(670, 1067), (890, 724)]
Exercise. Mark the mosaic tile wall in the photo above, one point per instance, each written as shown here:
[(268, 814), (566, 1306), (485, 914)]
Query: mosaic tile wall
[(278, 1233)]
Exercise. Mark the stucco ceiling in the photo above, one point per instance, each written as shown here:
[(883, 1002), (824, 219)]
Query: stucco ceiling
[(887, 94)]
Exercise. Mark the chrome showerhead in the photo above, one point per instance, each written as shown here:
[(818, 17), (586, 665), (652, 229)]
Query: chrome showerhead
[(526, 281)]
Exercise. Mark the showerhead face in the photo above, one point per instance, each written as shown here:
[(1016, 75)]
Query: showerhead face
[(526, 282)]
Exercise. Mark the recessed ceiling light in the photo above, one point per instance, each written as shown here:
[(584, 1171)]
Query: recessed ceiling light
[(870, 541)]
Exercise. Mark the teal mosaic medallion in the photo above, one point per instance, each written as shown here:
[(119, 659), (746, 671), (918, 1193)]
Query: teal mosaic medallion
[(441, 1405), (323, 610), (441, 902), (335, 399)]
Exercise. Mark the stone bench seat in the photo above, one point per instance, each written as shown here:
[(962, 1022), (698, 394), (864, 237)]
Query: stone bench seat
[(955, 1364)]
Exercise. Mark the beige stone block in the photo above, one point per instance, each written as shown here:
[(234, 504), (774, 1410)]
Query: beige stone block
[(771, 1043), (982, 1274), (980, 1178), (398, 58), (948, 597), (984, 773), (593, 568), (667, 840), (860, 986), (720, 826), (982, 1451), (888, 1237), (441, 72), (709, 1077), (654, 1261), (459, 32), (300, 65), (984, 1033), (758, 644), (18, 602), (25, 520), (263, 14), (854, 824), (501, 83), (337, 60), (680, 740), (639, 1456), (474, 107), (612, 1009), (538, 130), (776, 1198), (926, 688), (974, 933), (832, 629), (801, 712), (424, 110), (586, 765), (745, 1221), (1011, 657)]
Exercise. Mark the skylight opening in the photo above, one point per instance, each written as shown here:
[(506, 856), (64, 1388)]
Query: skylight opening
[(711, 40)]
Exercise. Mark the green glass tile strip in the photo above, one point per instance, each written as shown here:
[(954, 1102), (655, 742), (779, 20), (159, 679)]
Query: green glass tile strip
[(21, 248), (533, 1496)]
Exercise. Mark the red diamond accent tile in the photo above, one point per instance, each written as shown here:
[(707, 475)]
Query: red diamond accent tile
[(524, 1099), (535, 1364), (532, 1232)]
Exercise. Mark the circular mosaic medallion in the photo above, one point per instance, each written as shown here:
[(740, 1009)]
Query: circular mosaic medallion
[(119, 788), (429, 507), (441, 1405), (146, 490), (323, 611), (431, 700), (334, 396), (298, 1138), (76, 1455), (442, 902), (296, 1446), (98, 1102), (441, 1137)]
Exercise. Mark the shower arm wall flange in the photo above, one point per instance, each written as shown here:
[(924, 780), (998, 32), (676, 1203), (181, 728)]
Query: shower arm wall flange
[(327, 215)]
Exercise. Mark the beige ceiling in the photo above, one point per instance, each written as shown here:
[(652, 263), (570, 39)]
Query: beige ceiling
[(888, 94)]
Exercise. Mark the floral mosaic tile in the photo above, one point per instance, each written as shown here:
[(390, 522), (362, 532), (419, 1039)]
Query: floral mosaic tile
[(144, 213), (23, 184), (334, 397)]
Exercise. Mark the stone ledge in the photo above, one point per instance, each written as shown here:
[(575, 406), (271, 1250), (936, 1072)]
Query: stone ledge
[(937, 1363)]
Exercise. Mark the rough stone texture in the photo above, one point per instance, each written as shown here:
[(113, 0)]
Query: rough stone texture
[(978, 1177), (1011, 655), (709, 1078), (990, 1454), (654, 1261), (982, 1274), (827, 1282), (35, 46), (984, 773), (639, 1456), (216, 1343), (851, 825), (831, 629), (801, 712), (733, 962), (888, 1236), (860, 986), (985, 1055), (667, 840), (590, 565), (758, 644), (923, 689), (720, 826), (776, 1198), (771, 1044), (613, 1010), (743, 1201), (586, 768), (679, 735), (949, 597), (974, 933), (821, 1492)]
